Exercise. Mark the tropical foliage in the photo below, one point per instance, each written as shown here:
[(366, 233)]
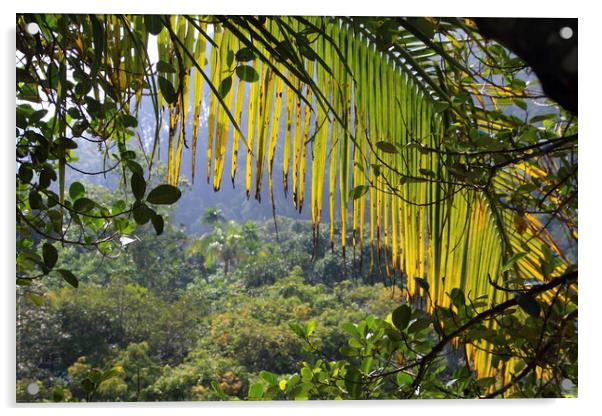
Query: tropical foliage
[(418, 136), (171, 342)]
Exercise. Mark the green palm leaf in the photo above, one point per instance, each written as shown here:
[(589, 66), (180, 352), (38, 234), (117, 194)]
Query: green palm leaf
[(375, 117)]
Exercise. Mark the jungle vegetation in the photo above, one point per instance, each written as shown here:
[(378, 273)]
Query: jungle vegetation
[(440, 178)]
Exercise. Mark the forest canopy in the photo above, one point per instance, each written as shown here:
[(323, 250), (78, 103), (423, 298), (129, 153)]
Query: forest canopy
[(431, 158)]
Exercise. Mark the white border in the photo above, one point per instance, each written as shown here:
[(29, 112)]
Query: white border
[(589, 200)]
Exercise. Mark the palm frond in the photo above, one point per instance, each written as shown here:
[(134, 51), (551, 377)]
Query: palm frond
[(366, 115)]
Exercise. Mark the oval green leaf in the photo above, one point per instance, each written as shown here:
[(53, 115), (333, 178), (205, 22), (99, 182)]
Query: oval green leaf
[(164, 195), (271, 378), (35, 298), (245, 55), (163, 66), (76, 191), (158, 223), (69, 277), (419, 325), (142, 214), (528, 304), (167, 90), (247, 73), (256, 391), (401, 317), (138, 185), (153, 24), (225, 86), (386, 147), (83, 205), (358, 191), (50, 255)]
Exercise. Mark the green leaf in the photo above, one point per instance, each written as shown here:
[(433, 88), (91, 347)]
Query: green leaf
[(74, 113), (307, 51), (387, 147), (58, 394), (36, 116), (142, 213), (422, 283), (218, 389), (164, 195), (518, 85), (457, 297), (474, 133), (153, 24), (351, 329), (50, 255), (478, 333), (423, 25), (29, 92), (138, 185), (98, 37), (296, 328), (526, 188), (441, 106), (310, 326), (306, 374), (292, 382), (45, 178), (271, 378), (486, 382), (543, 117), (247, 73), (353, 382), (419, 325), (358, 191), (427, 172), (158, 223), (167, 90), (83, 205), (300, 391), (404, 379), (25, 173), (135, 167), (52, 75), (129, 120), (69, 277), (82, 88), (76, 191), (35, 200), (528, 304), (497, 50), (118, 207), (510, 263), (224, 86), (367, 365), (245, 55), (23, 75), (520, 104), (375, 169), (229, 58), (163, 66), (401, 317), (21, 120), (256, 391), (35, 298)]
